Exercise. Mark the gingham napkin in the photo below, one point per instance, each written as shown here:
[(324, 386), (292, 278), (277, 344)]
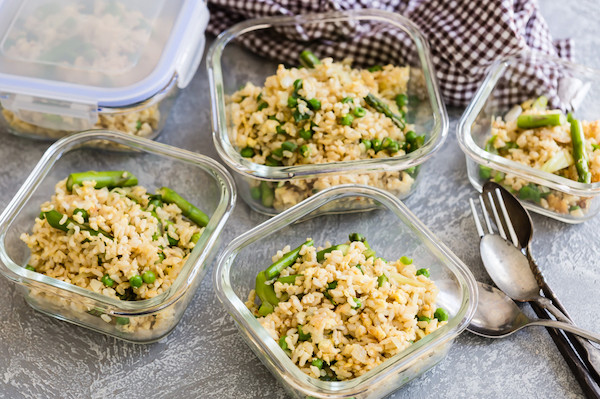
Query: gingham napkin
[(465, 37)]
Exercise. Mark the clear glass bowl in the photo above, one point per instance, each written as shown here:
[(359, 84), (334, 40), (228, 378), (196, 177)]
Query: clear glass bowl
[(155, 165), (575, 88), (230, 67), (393, 231)]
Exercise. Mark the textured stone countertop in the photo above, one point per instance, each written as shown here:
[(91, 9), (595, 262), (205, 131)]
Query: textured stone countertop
[(205, 356)]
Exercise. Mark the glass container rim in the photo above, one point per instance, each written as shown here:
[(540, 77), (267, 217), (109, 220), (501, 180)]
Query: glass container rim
[(479, 155), (261, 339), (242, 165), (206, 244)]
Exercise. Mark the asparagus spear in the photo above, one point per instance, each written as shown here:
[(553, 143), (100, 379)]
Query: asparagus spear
[(533, 121), (381, 107), (188, 210), (286, 260), (579, 153), (54, 217), (112, 178), (308, 59), (540, 103), (342, 247), (266, 294)]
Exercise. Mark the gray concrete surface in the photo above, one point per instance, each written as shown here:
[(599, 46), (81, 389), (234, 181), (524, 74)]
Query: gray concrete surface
[(205, 356)]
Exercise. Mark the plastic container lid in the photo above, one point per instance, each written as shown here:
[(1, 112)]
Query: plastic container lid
[(69, 57)]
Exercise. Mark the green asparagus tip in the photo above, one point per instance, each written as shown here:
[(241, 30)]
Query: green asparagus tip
[(110, 179), (190, 211)]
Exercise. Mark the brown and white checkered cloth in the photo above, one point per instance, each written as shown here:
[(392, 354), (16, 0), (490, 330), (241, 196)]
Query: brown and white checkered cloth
[(465, 36)]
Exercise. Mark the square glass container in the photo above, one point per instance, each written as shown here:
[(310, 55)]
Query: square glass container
[(569, 87), (73, 65), (230, 67), (155, 165), (392, 231)]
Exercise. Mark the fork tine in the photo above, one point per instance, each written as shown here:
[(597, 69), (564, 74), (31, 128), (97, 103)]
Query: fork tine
[(486, 215), (476, 218), (509, 226), (496, 217)]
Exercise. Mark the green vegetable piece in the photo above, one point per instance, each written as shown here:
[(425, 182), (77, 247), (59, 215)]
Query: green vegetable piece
[(282, 344), (342, 247), (314, 104), (423, 272), (441, 314), (359, 112), (270, 161), (291, 279), (381, 107), (149, 277), (161, 257), (369, 253), (530, 193), (424, 318), (195, 237), (110, 179), (347, 120), (499, 176), (327, 295), (54, 217), (297, 84), (265, 292), (138, 125), (298, 116), (305, 134), (596, 147), (386, 143), (485, 172), (289, 146), (305, 151), (376, 144), (333, 285), (359, 267), (84, 214), (122, 321), (136, 281), (346, 100), (357, 237), (318, 363), (262, 105), (280, 130), (393, 147), (540, 103), (267, 195), (308, 59), (29, 267), (107, 281), (292, 102), (579, 153), (381, 280), (574, 208), (375, 68), (189, 211), (406, 260), (367, 144), (247, 152), (356, 304), (286, 260), (410, 136), (265, 309), (509, 145), (302, 336), (534, 121), (401, 100), (255, 193), (278, 152)]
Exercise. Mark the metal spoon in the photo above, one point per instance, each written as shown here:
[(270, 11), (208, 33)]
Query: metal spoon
[(498, 316), (523, 227)]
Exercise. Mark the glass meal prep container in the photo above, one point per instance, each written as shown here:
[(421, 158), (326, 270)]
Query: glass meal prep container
[(155, 165), (569, 88), (231, 67), (393, 231), (73, 65)]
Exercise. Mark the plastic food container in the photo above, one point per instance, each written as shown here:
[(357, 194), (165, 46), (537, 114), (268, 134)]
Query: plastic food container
[(72, 65), (154, 164), (392, 230), (574, 88), (230, 67)]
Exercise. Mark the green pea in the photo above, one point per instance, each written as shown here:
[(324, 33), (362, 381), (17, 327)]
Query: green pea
[(302, 336), (401, 100), (346, 100), (406, 260), (381, 280), (393, 147), (122, 320), (359, 112), (423, 272), (485, 172), (347, 120), (149, 277), (314, 104), (255, 193), (305, 151), (441, 314), (318, 363), (376, 145), (247, 152), (423, 318), (367, 144), (84, 214), (305, 134), (136, 281), (357, 237), (410, 136), (282, 344), (107, 281), (29, 267), (386, 143), (292, 102), (289, 146)]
